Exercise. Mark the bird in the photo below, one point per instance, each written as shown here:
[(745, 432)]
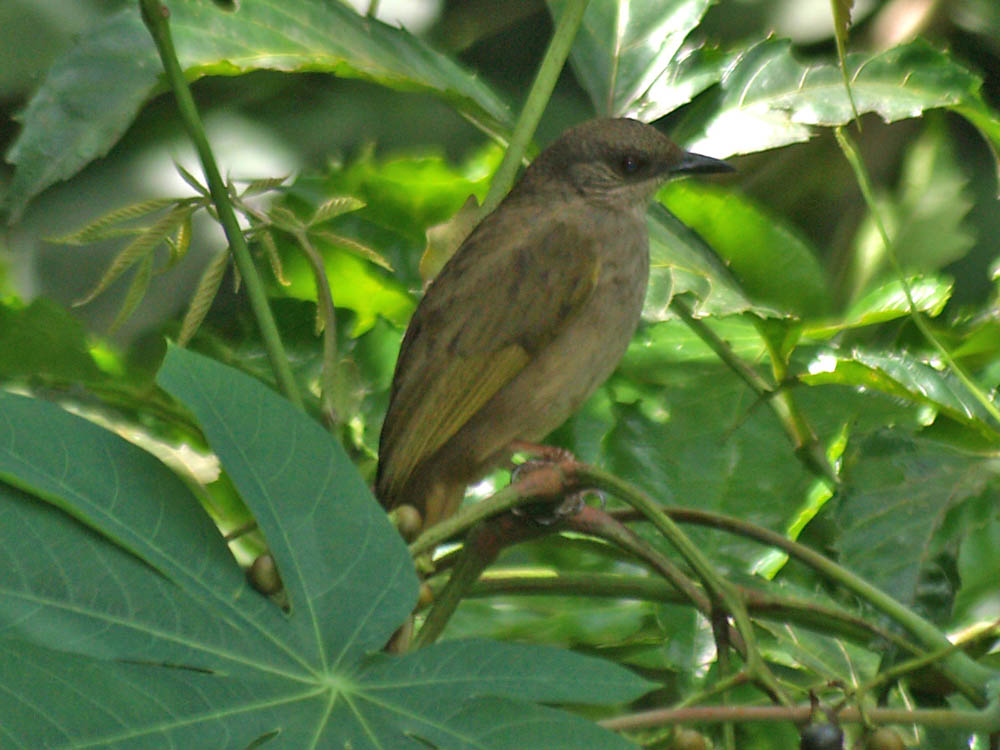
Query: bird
[(531, 314)]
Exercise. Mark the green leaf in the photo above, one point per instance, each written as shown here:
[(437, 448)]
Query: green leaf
[(136, 291), (925, 219), (140, 248), (888, 302), (896, 493), (355, 284), (979, 569), (204, 295), (92, 93), (149, 604), (233, 411), (769, 99), (624, 47), (774, 265), (904, 376), (44, 340), (693, 267), (106, 226), (830, 659)]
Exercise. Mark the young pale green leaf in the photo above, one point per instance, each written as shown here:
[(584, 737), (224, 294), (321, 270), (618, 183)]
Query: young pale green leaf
[(93, 92), (106, 226), (136, 291), (140, 247), (266, 240), (770, 99), (334, 207), (625, 46), (193, 182), (262, 185), (203, 296), (358, 248), (180, 243)]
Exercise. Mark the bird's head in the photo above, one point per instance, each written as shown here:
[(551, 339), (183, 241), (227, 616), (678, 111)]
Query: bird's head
[(617, 160)]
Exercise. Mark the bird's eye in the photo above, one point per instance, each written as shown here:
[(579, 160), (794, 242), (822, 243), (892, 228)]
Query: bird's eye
[(631, 164)]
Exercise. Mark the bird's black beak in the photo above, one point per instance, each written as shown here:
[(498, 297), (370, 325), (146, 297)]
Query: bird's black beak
[(698, 164)]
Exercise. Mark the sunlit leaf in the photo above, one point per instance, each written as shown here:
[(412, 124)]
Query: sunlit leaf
[(887, 302), (334, 207), (43, 340), (625, 46), (770, 99), (903, 375), (774, 264), (358, 248)]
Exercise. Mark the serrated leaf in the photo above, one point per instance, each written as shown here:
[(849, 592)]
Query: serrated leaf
[(903, 375), (204, 295), (93, 92), (354, 246), (689, 74), (284, 219), (334, 207), (141, 246), (774, 264), (136, 291), (624, 46), (104, 226), (262, 185), (888, 302), (694, 268), (266, 240), (770, 99)]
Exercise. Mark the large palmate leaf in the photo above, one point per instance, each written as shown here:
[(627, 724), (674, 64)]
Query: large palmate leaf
[(770, 99), (92, 93), (116, 578)]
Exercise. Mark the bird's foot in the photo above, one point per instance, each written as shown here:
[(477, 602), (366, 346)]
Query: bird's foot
[(538, 477), (550, 454)]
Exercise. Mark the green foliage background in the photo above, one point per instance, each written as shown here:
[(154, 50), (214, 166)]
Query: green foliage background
[(113, 566)]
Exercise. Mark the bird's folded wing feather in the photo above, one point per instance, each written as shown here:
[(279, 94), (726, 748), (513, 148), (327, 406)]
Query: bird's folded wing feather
[(517, 300)]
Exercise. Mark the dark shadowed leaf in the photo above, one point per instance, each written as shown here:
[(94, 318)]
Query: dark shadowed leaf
[(93, 92)]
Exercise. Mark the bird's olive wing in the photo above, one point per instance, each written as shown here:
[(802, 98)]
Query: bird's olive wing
[(486, 316)]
